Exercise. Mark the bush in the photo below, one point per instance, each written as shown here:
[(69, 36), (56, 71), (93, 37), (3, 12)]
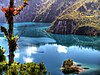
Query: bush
[(23, 69), (69, 67), (2, 51)]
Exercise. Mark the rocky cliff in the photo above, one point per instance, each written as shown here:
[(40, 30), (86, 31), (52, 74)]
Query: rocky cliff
[(52, 9), (83, 21), (65, 26), (42, 10)]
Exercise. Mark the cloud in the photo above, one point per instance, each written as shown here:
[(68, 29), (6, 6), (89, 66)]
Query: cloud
[(42, 49), (27, 59), (34, 50), (60, 48), (31, 50), (17, 55)]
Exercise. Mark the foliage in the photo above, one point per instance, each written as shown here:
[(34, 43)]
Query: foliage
[(69, 70), (68, 67), (2, 51), (25, 1), (3, 67), (68, 63), (3, 29), (12, 42), (22, 69), (13, 39)]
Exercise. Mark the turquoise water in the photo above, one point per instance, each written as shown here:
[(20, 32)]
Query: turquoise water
[(39, 46)]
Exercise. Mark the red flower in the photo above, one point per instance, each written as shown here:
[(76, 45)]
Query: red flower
[(12, 9), (16, 12), (4, 9)]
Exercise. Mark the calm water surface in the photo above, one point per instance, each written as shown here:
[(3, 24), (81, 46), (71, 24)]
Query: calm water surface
[(39, 46)]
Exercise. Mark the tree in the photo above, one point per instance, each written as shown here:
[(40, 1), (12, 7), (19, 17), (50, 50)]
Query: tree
[(10, 12)]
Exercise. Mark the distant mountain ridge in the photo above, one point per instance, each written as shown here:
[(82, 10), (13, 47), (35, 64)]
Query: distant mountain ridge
[(44, 10)]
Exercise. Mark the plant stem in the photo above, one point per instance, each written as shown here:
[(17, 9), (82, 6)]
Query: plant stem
[(10, 31)]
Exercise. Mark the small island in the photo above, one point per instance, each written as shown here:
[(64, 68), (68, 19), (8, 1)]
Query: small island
[(69, 67)]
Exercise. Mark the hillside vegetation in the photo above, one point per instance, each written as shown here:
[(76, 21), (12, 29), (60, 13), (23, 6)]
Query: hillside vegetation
[(84, 20)]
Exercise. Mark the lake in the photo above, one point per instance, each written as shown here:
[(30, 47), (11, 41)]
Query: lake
[(36, 45)]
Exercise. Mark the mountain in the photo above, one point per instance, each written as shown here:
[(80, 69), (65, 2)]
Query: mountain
[(30, 11), (82, 18), (42, 10), (52, 10), (27, 14)]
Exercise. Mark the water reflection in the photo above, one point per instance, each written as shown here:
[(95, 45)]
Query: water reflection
[(27, 59), (37, 30), (76, 40), (31, 50), (31, 29), (17, 55), (53, 56)]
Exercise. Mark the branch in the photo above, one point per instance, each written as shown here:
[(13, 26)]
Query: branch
[(19, 9), (11, 3), (15, 11), (3, 29)]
